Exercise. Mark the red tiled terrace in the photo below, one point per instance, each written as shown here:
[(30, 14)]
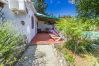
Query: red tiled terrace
[(44, 38)]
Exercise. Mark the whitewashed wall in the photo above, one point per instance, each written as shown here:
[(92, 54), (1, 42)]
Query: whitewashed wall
[(32, 32), (43, 26), (16, 19)]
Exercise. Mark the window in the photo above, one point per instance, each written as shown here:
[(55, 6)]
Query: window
[(23, 23), (27, 10), (32, 22)]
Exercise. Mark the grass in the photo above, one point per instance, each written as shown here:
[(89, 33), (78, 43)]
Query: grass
[(88, 59), (96, 54)]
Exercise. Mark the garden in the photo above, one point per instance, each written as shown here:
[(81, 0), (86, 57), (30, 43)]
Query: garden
[(81, 32), (81, 40)]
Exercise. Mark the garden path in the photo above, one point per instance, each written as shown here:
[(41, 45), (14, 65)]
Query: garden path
[(39, 55)]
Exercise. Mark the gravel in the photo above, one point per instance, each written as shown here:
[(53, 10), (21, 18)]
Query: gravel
[(38, 55)]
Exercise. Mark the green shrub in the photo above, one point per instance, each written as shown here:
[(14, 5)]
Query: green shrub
[(96, 41), (69, 58), (82, 47), (74, 30), (10, 39)]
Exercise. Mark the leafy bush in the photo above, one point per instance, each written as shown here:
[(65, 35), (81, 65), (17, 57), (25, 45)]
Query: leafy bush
[(9, 41), (69, 57), (74, 30)]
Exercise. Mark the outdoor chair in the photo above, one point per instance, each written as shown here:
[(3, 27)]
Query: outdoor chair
[(56, 36)]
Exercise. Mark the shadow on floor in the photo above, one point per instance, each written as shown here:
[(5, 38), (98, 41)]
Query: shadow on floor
[(27, 57)]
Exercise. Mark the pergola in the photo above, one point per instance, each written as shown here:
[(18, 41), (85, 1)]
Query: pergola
[(46, 18)]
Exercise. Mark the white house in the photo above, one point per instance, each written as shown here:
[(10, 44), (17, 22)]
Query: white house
[(21, 13), (24, 17)]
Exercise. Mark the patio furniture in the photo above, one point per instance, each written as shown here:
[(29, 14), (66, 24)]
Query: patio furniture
[(55, 37), (39, 30)]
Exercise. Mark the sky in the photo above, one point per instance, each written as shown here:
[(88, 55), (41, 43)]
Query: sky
[(61, 8)]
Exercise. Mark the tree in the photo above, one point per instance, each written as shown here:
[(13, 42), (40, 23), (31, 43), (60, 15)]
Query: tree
[(87, 8), (40, 6)]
